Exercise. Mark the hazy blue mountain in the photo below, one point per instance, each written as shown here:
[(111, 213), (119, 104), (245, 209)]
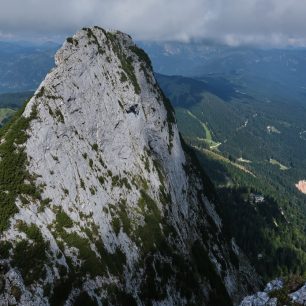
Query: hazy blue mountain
[(272, 71), (23, 64)]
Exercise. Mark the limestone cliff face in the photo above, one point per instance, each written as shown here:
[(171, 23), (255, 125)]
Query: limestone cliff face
[(101, 204)]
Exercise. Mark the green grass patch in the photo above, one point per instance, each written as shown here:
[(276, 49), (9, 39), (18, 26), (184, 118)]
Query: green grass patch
[(120, 218), (5, 247), (59, 115), (277, 163), (90, 262), (63, 220), (126, 62), (73, 41), (95, 147), (150, 234), (93, 39), (142, 55), (101, 180), (30, 257)]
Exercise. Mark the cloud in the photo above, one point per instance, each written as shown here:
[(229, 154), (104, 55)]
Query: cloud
[(272, 22)]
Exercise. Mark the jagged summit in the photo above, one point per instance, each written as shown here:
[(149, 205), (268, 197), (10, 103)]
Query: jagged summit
[(99, 201)]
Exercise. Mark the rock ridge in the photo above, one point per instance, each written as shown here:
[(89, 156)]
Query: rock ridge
[(104, 203)]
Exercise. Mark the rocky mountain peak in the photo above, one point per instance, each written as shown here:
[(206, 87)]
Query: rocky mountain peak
[(100, 202)]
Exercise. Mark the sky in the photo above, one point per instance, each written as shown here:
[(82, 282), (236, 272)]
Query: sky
[(234, 22)]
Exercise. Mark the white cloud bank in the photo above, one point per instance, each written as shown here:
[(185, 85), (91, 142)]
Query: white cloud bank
[(272, 22)]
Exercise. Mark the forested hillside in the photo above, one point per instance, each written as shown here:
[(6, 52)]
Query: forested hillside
[(253, 149)]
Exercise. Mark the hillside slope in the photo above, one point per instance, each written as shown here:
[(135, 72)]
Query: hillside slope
[(252, 148), (100, 204)]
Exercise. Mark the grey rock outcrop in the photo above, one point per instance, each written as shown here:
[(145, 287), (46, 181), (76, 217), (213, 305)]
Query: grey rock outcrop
[(297, 297), (110, 208)]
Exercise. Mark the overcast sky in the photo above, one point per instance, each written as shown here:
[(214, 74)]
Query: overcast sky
[(272, 22)]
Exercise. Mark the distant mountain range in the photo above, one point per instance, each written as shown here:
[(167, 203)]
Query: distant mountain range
[(23, 64), (196, 59), (282, 69)]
